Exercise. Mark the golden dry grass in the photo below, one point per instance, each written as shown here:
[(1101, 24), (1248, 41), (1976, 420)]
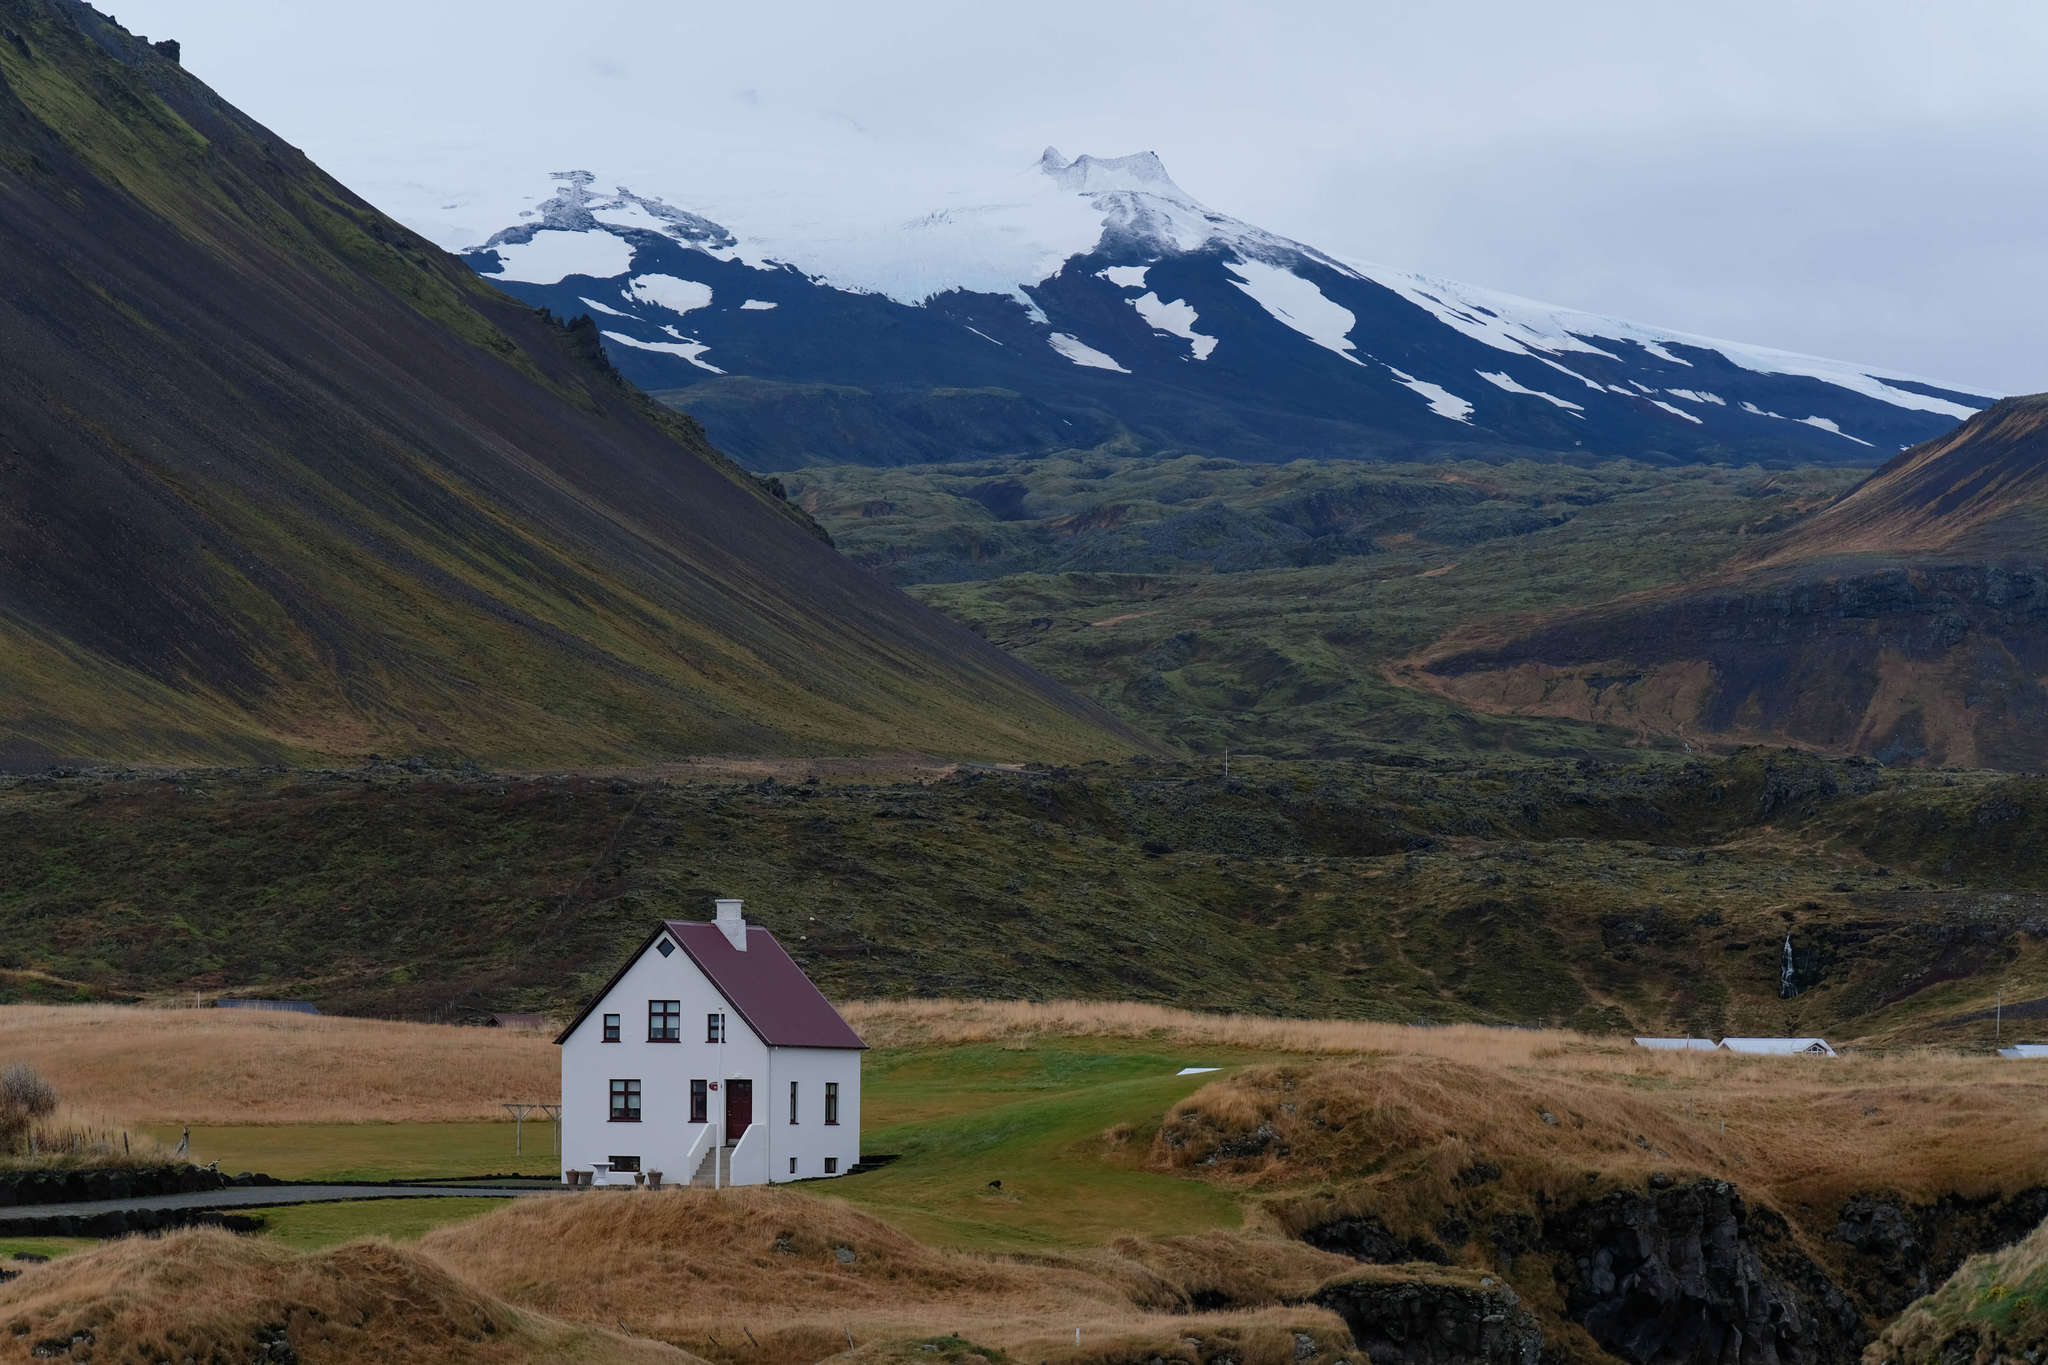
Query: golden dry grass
[(247, 1066), (73, 1136), (759, 1277), (206, 1294), (1394, 1134), (908, 1023)]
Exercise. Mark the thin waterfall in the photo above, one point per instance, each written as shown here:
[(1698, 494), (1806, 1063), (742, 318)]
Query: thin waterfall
[(1788, 981)]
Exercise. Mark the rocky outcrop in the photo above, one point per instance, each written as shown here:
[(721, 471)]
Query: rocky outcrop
[(1693, 1273), (1435, 1322), (1898, 1251), (1365, 1238)]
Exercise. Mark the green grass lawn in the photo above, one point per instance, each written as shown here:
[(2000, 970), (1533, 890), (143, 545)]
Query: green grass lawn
[(309, 1227), (371, 1151), (1065, 1128), (42, 1246)]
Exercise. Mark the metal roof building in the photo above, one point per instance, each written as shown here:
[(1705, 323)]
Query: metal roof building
[(1677, 1044), (1778, 1047)]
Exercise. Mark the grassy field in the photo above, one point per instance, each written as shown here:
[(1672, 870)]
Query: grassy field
[(1065, 1128), (371, 1151), (1130, 1192)]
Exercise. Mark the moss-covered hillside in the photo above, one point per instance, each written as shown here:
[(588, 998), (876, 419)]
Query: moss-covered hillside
[(1654, 897)]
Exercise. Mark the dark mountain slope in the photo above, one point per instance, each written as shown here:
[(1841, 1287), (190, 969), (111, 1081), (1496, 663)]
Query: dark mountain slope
[(1979, 491), (281, 478), (1908, 620)]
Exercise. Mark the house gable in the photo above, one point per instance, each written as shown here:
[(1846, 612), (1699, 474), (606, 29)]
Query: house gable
[(652, 943), (762, 985)]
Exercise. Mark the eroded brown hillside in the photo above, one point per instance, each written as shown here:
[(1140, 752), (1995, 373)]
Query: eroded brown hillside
[(1907, 621)]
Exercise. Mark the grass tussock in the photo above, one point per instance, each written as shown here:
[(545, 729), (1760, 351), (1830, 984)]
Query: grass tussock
[(1995, 1307), (780, 1276), (209, 1295), (237, 1066)]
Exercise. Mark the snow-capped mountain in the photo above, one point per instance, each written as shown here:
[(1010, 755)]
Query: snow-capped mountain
[(1097, 300)]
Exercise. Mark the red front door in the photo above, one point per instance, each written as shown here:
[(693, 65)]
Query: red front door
[(739, 1109)]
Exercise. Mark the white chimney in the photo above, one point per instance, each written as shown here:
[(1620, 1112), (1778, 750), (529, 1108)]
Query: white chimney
[(731, 924)]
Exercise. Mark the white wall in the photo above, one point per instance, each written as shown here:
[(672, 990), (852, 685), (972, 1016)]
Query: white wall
[(664, 1070)]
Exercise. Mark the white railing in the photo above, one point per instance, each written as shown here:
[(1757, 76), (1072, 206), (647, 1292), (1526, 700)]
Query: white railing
[(749, 1164)]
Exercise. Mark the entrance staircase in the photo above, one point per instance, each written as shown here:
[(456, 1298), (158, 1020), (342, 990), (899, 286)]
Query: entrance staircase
[(701, 1179)]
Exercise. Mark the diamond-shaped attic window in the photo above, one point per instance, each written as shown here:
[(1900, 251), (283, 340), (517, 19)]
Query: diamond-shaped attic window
[(666, 947)]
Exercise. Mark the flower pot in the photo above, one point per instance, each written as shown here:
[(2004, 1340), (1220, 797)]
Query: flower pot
[(654, 1180), (639, 1177)]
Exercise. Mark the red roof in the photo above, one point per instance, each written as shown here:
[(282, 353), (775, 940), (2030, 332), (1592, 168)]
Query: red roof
[(767, 989)]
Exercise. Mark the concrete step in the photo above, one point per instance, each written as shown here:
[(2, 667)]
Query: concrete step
[(703, 1177)]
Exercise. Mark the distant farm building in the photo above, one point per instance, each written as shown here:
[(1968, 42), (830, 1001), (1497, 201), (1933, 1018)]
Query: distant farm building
[(288, 1006), (525, 1021), (1778, 1047), (2025, 1051), (1677, 1044)]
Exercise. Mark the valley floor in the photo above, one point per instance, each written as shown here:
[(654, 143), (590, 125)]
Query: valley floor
[(1273, 1207)]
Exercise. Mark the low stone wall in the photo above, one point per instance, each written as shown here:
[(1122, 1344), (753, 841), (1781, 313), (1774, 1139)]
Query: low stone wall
[(18, 1188)]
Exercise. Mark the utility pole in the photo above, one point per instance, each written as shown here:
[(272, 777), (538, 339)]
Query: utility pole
[(1998, 1020)]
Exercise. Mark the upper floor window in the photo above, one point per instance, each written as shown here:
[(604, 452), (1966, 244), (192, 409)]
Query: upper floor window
[(611, 1028), (664, 1021), (831, 1101), (792, 1101), (625, 1101), (700, 1101), (714, 1028)]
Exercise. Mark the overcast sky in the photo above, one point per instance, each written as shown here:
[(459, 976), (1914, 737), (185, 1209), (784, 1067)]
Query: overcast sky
[(1860, 180)]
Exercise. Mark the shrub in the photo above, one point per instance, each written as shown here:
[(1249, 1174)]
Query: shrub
[(24, 1097)]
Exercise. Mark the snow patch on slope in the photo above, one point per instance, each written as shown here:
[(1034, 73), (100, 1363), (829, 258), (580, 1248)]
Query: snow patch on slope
[(551, 257), (1297, 303), (1175, 319), (594, 306), (1125, 276), (688, 350), (1441, 400), (676, 295), (1676, 412), (1078, 351), (756, 306), (1828, 424), (1505, 381), (1520, 326)]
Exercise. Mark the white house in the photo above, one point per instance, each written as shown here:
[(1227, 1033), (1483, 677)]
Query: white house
[(711, 1057), (2025, 1051), (1677, 1044), (1779, 1047)]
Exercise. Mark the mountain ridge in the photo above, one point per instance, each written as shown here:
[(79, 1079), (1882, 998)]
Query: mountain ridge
[(1100, 289)]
